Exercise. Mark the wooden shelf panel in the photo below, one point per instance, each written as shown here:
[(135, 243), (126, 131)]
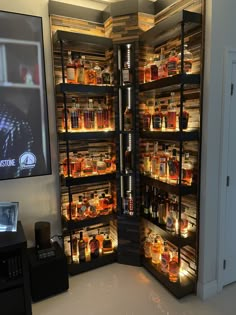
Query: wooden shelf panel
[(84, 89), (69, 181), (64, 136)]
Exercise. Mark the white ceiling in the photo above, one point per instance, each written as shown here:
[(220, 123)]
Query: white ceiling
[(93, 4)]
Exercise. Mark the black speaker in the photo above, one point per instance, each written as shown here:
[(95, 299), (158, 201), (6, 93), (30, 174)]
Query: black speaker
[(48, 276), (42, 232)]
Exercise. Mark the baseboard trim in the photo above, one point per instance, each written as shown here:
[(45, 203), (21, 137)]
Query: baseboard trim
[(207, 290)]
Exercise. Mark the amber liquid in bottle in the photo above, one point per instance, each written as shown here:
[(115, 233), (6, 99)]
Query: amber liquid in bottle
[(70, 69)]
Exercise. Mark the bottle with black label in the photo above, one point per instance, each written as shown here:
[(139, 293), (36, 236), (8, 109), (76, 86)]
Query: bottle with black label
[(94, 247), (82, 248)]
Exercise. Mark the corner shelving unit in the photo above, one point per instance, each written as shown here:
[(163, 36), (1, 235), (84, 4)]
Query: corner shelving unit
[(72, 187), (175, 28)]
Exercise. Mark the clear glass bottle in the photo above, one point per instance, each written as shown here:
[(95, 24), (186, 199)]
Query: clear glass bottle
[(188, 61), (165, 259), (172, 63), (162, 70), (70, 69), (184, 224), (146, 119), (98, 72), (187, 170), (156, 251), (174, 267), (74, 115), (171, 113), (89, 116), (173, 165), (99, 116), (107, 115)]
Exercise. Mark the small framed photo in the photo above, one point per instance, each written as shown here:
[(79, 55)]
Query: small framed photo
[(8, 216)]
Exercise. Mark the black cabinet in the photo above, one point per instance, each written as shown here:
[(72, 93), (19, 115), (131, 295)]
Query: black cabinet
[(15, 295)]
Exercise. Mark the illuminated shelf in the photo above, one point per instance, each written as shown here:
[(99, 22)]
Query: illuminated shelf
[(179, 289)]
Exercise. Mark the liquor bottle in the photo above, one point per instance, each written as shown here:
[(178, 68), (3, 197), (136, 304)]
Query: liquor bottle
[(157, 118), (172, 63), (107, 245), (163, 160), (99, 116), (87, 166), (146, 119), (100, 238), (101, 165), (156, 250), (94, 247), (70, 69), (174, 267), (104, 204), (82, 248), (171, 113), (128, 160), (165, 259), (155, 163), (81, 72), (162, 70), (68, 167), (93, 213), (173, 165), (77, 67), (98, 72), (154, 68), (146, 201), (188, 61), (65, 119), (162, 210), (187, 170), (74, 245), (107, 115), (147, 71), (89, 116), (155, 205), (128, 119), (130, 203), (147, 247), (141, 74), (184, 225), (126, 75), (71, 210), (171, 216), (81, 207), (147, 160), (90, 75), (106, 76), (107, 159), (74, 115), (183, 120)]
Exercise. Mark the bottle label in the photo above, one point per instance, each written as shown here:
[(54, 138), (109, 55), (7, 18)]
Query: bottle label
[(154, 72), (156, 122), (70, 74), (106, 78), (172, 67)]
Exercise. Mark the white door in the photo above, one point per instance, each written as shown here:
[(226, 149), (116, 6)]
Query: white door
[(229, 263)]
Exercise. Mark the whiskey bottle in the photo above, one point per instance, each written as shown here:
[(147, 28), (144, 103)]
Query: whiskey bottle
[(65, 119), (146, 201), (171, 216), (187, 170), (172, 63), (165, 259), (171, 113), (90, 75), (81, 209), (147, 160), (174, 267), (77, 67), (106, 76), (82, 248), (156, 250), (188, 61), (94, 247), (163, 160), (101, 165), (107, 159), (147, 247), (162, 210), (74, 245), (99, 116), (87, 166), (147, 71), (107, 115), (81, 71), (107, 246), (98, 72), (173, 165), (155, 205), (155, 163), (154, 68), (146, 119), (184, 224), (89, 116), (157, 118), (128, 119), (74, 116), (162, 70), (70, 69), (183, 120)]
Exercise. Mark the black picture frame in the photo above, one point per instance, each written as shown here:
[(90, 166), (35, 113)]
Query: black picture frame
[(24, 127), (8, 216)]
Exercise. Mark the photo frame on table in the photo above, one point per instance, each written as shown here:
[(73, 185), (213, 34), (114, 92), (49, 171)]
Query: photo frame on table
[(24, 128), (8, 216)]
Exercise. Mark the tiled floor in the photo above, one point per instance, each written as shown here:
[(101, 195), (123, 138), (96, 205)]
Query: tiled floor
[(125, 290)]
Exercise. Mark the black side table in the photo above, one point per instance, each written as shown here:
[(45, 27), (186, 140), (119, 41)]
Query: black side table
[(14, 273), (48, 276)]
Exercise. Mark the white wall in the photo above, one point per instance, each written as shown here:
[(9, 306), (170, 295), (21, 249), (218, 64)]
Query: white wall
[(220, 33), (38, 197)]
